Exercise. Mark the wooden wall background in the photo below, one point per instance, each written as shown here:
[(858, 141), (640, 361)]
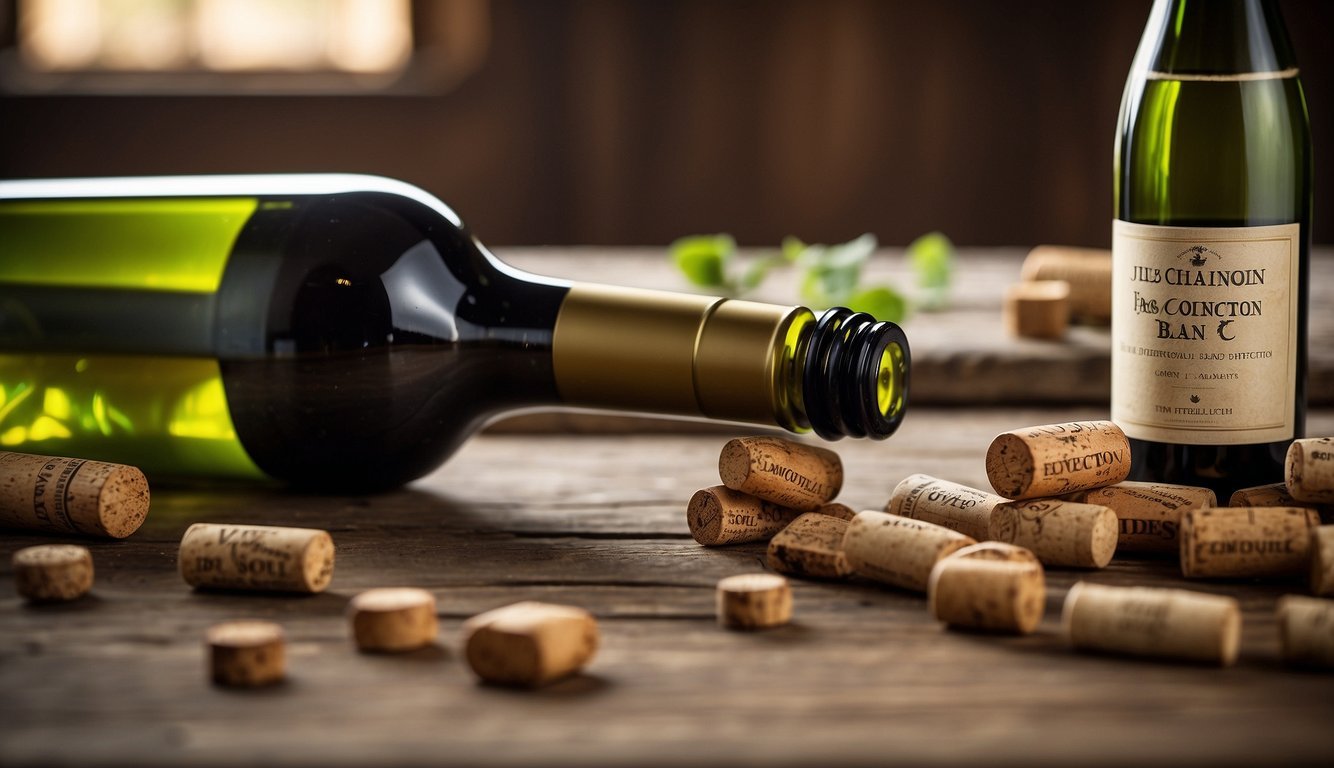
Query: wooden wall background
[(618, 122)]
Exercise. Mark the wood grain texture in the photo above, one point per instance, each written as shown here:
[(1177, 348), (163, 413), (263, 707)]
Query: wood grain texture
[(862, 673)]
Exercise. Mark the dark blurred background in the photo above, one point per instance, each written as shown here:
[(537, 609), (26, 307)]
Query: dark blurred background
[(616, 122)]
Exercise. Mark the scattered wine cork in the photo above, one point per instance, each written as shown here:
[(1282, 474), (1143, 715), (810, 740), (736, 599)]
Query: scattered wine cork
[(529, 644), (898, 551), (1306, 630), (1063, 533), (720, 515), (256, 557), (1322, 560), (998, 551), (1148, 621), (1088, 271), (1272, 495), (1149, 514), (52, 573), (1231, 542), (1055, 459), (1037, 310), (835, 509), (954, 506), (393, 619), (811, 546), (59, 495), (1310, 470), (246, 654), (754, 601), (987, 594), (791, 474)]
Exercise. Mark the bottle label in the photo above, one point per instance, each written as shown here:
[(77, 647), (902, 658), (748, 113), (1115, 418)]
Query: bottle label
[(1204, 333)]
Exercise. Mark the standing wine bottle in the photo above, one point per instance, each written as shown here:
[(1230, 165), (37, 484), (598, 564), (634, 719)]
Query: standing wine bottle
[(348, 331), (1211, 247)]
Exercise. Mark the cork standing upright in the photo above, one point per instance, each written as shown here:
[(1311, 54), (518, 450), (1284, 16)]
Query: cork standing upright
[(792, 474), (1056, 459), (60, 495)]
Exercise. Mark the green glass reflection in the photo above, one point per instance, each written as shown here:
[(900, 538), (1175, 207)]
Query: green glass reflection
[(168, 416), (163, 244)]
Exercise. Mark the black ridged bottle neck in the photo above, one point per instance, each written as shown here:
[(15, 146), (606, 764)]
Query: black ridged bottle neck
[(854, 375)]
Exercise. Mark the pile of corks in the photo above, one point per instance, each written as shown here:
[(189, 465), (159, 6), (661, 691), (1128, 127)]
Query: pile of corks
[(1061, 500)]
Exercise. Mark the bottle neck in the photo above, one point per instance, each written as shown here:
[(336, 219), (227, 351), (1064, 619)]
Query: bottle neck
[(1215, 38), (732, 360)]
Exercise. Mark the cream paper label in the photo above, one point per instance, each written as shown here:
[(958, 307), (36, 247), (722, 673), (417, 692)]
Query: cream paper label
[(1204, 332)]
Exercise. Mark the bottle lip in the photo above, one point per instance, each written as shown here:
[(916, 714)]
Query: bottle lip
[(855, 376)]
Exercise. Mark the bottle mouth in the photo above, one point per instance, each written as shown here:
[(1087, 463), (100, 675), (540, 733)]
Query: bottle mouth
[(855, 376)]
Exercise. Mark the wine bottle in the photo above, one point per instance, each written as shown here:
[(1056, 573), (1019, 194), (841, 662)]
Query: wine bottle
[(348, 331), (1211, 246)]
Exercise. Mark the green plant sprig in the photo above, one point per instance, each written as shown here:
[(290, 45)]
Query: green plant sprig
[(830, 275)]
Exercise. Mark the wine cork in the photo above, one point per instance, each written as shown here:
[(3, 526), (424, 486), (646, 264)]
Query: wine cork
[(954, 506), (1053, 459), (811, 546), (1322, 560), (60, 495), (1306, 630), (998, 551), (246, 654), (835, 509), (256, 557), (52, 573), (791, 474), (898, 551), (393, 619), (1088, 271), (1272, 495), (1231, 542), (720, 515), (529, 644), (1310, 470), (1062, 533), (1149, 514), (987, 594), (1149, 621), (754, 601), (1037, 310)]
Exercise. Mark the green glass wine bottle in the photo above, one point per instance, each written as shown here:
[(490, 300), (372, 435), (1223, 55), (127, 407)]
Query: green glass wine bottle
[(1211, 247), (347, 331)]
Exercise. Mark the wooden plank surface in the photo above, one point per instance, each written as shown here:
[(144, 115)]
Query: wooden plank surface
[(863, 676), (962, 355)]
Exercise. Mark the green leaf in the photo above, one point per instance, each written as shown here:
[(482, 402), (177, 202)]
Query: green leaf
[(704, 259), (757, 270), (932, 258), (831, 273), (792, 248), (882, 301)]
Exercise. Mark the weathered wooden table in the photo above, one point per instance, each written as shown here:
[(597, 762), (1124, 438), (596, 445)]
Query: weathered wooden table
[(597, 519)]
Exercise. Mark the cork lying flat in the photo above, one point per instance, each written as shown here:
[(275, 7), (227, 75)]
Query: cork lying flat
[(61, 495)]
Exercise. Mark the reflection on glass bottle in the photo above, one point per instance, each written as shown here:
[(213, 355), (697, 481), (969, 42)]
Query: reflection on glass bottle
[(348, 331)]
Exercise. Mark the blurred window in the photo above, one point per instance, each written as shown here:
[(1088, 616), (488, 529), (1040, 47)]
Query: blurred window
[(243, 45)]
